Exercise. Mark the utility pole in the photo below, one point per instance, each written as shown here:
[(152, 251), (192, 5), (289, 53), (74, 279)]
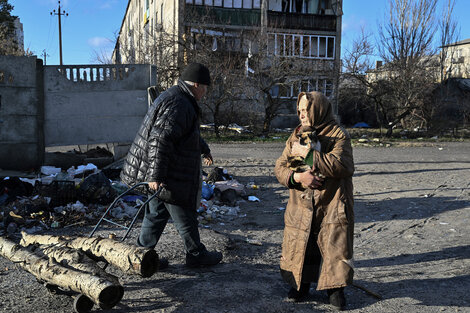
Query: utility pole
[(44, 54), (59, 13)]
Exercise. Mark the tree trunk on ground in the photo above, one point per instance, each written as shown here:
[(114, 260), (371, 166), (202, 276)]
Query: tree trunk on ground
[(128, 258), (78, 260), (100, 290)]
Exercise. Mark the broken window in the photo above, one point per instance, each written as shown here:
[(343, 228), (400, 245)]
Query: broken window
[(280, 44), (297, 45), (331, 47), (306, 46), (288, 45), (314, 47), (322, 47)]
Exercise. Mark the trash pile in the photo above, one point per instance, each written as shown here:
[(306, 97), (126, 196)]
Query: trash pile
[(221, 194), (58, 199)]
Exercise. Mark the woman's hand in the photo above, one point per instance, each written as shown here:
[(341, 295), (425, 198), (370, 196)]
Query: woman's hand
[(299, 150), (308, 180)]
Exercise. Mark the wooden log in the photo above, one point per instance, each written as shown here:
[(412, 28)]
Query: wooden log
[(128, 258), (100, 290), (78, 260)]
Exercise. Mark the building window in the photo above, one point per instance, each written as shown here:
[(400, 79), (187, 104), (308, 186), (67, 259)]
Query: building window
[(237, 4), (305, 46), (300, 6), (291, 90)]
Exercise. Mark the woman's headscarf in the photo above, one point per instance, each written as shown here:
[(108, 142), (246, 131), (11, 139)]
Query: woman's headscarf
[(320, 111)]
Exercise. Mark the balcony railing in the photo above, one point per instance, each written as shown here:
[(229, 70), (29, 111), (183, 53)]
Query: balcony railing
[(94, 73), (208, 15), (301, 21)]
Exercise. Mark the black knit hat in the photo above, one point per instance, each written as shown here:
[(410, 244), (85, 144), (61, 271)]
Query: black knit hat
[(196, 73)]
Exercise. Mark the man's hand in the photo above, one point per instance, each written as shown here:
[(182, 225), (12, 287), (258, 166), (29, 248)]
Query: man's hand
[(207, 159), (154, 185), (299, 150), (308, 180)]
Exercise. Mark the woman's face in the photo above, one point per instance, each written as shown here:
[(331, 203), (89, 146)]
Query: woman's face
[(303, 115)]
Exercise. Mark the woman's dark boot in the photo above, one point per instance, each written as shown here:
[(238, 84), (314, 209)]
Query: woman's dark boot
[(337, 298), (299, 295)]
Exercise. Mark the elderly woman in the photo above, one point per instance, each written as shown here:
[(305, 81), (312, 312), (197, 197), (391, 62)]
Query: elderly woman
[(319, 218)]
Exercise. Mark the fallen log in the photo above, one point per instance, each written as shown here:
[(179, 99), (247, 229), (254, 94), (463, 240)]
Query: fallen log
[(78, 260), (98, 289), (128, 258)]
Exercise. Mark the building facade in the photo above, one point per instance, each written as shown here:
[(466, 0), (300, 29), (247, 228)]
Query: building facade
[(457, 63), (304, 32)]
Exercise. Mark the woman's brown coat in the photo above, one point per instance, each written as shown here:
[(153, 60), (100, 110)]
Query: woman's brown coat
[(328, 211)]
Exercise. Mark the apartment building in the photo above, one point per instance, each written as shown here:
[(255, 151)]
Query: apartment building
[(457, 63), (307, 32)]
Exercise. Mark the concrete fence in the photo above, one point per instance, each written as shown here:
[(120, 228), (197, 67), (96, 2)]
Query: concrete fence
[(42, 106)]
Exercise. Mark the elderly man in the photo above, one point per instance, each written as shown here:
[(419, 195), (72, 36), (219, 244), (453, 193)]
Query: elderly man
[(166, 153)]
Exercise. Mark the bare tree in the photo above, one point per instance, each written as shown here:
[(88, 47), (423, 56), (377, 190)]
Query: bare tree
[(449, 33), (223, 97), (265, 75), (405, 43), (357, 60), (275, 78)]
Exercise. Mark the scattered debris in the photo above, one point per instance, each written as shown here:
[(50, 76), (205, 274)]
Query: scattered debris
[(254, 242)]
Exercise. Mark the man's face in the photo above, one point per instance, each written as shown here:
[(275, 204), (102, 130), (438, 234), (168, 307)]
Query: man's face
[(200, 91), (303, 113)]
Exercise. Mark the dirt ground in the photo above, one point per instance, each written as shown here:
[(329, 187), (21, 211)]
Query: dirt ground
[(412, 242)]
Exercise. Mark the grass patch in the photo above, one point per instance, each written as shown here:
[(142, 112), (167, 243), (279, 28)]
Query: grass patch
[(230, 137), (359, 136)]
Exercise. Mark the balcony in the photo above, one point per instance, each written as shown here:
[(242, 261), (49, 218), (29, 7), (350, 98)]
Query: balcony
[(301, 21), (208, 15)]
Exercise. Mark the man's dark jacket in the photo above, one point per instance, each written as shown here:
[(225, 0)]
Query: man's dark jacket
[(168, 147)]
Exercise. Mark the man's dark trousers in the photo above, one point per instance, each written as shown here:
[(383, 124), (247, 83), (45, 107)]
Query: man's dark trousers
[(156, 217)]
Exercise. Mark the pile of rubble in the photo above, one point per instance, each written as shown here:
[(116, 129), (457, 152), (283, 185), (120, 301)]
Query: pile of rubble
[(59, 198), (221, 195)]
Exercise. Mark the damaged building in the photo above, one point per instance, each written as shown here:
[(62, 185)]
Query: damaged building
[(304, 33)]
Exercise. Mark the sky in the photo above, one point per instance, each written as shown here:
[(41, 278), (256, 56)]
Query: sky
[(91, 25)]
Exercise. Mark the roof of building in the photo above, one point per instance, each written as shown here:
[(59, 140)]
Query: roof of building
[(459, 43)]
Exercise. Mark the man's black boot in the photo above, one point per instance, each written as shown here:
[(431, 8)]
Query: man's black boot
[(299, 295), (336, 297), (205, 258)]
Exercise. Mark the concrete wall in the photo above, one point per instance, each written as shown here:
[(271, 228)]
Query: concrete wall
[(105, 107), (44, 106), (21, 113)]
